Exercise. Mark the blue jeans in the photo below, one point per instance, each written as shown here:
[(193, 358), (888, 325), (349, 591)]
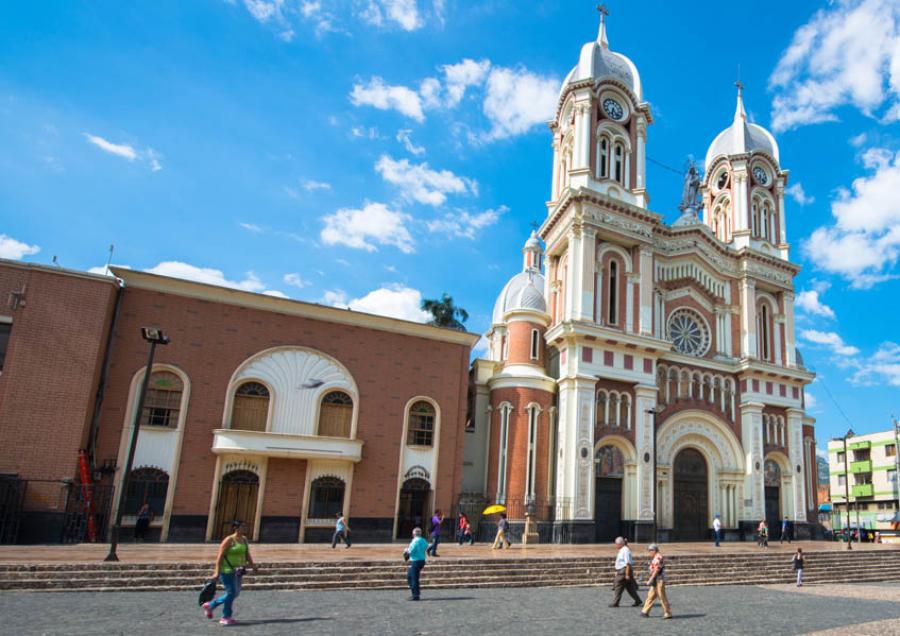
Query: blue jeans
[(413, 572), (718, 534), (232, 585), (340, 535), (435, 540)]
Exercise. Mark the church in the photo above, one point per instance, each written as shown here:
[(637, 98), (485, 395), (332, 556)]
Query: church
[(643, 378)]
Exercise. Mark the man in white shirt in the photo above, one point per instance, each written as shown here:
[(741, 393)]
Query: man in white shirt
[(624, 574), (717, 529)]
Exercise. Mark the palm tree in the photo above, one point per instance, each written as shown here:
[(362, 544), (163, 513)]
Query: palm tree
[(444, 313)]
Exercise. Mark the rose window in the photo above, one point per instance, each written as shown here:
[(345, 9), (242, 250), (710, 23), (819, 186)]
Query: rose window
[(688, 332)]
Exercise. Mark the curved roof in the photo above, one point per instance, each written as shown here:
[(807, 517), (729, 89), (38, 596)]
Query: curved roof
[(741, 137), (525, 290), (597, 61)]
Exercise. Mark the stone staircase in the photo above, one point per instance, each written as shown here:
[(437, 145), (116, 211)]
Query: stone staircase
[(707, 569)]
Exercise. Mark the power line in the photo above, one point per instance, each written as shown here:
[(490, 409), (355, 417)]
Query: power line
[(662, 165), (840, 410)]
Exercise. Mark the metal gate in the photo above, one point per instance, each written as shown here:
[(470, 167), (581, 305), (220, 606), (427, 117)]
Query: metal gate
[(12, 496), (82, 504)]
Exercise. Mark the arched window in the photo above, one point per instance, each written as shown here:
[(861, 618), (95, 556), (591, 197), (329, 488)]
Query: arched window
[(612, 418), (162, 404), (763, 331), (625, 412), (619, 163), (503, 453), (531, 465), (421, 425), (336, 414), (755, 217), (535, 344), (602, 408), (613, 294), (146, 486), (722, 220), (326, 498), (251, 407), (766, 220), (603, 158)]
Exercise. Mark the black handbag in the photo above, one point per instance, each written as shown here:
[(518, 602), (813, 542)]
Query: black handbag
[(207, 592)]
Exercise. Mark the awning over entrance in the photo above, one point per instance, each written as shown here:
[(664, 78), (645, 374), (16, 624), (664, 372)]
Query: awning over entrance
[(235, 442)]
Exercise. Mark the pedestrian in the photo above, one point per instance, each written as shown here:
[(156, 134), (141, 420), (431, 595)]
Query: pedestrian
[(717, 529), (798, 566), (467, 534), (762, 534), (142, 524), (415, 554), (657, 584), (231, 561), (341, 531), (785, 532), (502, 531), (436, 520), (461, 528), (624, 581)]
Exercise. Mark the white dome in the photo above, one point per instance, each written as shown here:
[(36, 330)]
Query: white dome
[(741, 138), (598, 62), (525, 290)]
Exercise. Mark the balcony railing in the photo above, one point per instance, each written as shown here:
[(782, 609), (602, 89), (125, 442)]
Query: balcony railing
[(859, 445), (863, 490), (864, 466)]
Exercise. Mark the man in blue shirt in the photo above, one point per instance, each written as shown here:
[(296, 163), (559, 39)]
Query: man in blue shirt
[(341, 531), (784, 530), (416, 552)]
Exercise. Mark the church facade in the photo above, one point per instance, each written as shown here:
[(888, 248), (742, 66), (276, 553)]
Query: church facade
[(643, 377)]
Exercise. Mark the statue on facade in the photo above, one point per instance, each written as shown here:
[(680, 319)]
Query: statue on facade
[(690, 196)]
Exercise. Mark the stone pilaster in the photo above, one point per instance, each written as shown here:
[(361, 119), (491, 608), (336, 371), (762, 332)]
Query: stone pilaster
[(752, 442), (798, 461)]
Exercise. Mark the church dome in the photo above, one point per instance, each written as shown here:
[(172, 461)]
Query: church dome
[(741, 137), (524, 291), (597, 62)]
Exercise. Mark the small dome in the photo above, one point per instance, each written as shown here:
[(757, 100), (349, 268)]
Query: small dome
[(525, 290), (533, 242), (741, 137), (597, 62)]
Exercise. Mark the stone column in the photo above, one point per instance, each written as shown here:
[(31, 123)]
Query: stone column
[(751, 441), (584, 301), (739, 187), (782, 232), (555, 183), (584, 122), (631, 281), (575, 470), (748, 318), (795, 443), (645, 400), (646, 281), (789, 344), (777, 323)]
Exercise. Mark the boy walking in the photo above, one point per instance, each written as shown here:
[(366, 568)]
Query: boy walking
[(341, 531)]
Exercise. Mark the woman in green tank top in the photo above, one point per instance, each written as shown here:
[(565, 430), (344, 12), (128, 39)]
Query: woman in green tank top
[(233, 556)]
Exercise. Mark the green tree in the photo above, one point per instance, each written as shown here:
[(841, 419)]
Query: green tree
[(444, 313)]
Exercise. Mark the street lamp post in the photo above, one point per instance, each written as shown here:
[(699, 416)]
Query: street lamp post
[(154, 337)]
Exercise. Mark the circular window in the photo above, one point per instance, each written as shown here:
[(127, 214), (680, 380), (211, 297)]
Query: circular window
[(688, 332), (760, 175)]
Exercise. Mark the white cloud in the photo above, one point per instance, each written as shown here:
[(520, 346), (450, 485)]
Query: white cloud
[(404, 136), (361, 132), (810, 400), (847, 54), (16, 250), (323, 20), (864, 242), (295, 280), (274, 12), (517, 100), (375, 224), (831, 340), (481, 347), (120, 150), (384, 97), (311, 185), (404, 13), (799, 195), (251, 227), (275, 293), (809, 302), (394, 301), (335, 297), (420, 183), (465, 225), (178, 269), (882, 367), (458, 77), (126, 151), (858, 140)]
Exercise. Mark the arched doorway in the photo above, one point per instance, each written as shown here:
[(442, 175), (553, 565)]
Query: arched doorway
[(691, 496), (610, 471), (414, 497), (772, 478), (238, 493)]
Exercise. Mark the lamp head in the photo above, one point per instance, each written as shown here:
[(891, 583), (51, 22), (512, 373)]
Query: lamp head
[(155, 335)]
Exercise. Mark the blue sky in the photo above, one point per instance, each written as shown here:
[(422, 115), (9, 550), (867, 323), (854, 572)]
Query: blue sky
[(372, 152)]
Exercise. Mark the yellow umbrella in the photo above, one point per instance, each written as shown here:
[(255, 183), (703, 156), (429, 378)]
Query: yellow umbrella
[(493, 509)]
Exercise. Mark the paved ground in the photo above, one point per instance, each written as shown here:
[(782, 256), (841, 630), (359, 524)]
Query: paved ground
[(194, 552), (721, 610)]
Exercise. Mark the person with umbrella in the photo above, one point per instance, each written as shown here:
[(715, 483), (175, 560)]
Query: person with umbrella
[(502, 532)]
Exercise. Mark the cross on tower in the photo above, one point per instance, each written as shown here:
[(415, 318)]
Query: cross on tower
[(740, 85), (602, 10), (534, 225)]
